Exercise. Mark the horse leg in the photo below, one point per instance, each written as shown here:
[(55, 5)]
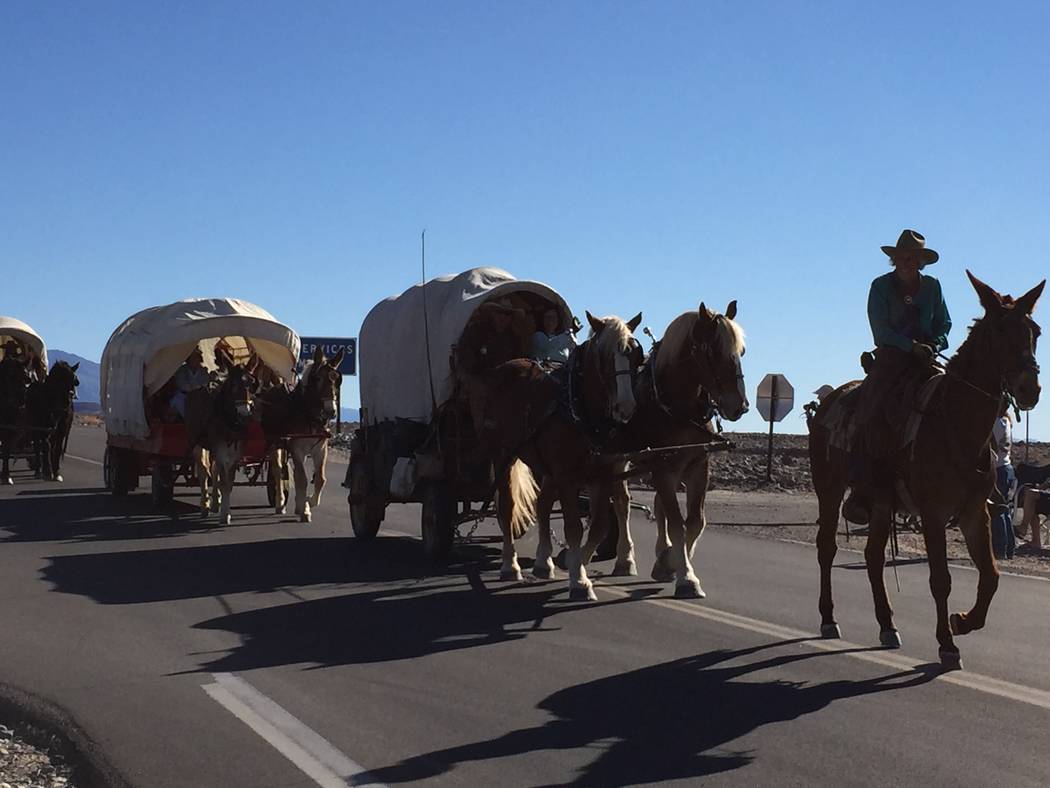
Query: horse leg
[(37, 457), (5, 472), (319, 455), (200, 461), (830, 501), (976, 527), (227, 470), (940, 586), (621, 500), (580, 587), (662, 572), (280, 503), (598, 522), (875, 559), (543, 566), (686, 585), (509, 569), (302, 505), (695, 496)]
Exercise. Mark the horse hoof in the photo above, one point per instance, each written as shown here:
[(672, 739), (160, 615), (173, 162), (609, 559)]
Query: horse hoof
[(561, 560), (304, 517), (279, 511), (510, 575), (689, 590), (226, 520), (661, 574), (582, 594), (890, 638), (626, 569), (58, 477), (7, 480), (830, 631), (543, 572), (950, 660)]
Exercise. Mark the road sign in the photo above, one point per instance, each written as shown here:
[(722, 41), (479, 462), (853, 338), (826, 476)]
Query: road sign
[(330, 346), (776, 397)]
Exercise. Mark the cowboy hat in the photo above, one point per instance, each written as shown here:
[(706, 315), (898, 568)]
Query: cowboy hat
[(911, 241)]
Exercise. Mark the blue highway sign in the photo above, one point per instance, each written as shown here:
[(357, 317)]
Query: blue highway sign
[(330, 346)]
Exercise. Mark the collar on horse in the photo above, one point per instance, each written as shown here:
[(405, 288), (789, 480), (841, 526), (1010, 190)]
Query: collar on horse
[(599, 428), (706, 408)]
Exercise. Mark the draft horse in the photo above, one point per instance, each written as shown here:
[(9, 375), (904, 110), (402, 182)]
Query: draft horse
[(947, 470), (530, 422), (303, 415), (49, 410)]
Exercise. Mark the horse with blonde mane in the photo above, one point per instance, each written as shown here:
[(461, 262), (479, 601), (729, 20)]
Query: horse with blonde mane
[(693, 374), (945, 470), (555, 425)]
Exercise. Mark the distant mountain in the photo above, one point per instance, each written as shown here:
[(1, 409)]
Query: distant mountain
[(87, 372), (350, 414)]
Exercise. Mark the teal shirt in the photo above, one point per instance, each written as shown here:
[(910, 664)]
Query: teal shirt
[(888, 315)]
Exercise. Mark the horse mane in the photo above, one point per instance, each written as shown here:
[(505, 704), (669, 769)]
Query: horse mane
[(729, 337), (615, 336), (304, 379)]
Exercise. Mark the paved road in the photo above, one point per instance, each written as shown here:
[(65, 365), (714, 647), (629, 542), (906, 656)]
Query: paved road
[(274, 653)]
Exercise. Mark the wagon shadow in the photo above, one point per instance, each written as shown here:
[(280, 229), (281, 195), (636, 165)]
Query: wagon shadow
[(93, 515), (672, 721)]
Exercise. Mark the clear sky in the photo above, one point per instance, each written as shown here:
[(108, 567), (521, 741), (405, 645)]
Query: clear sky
[(636, 156)]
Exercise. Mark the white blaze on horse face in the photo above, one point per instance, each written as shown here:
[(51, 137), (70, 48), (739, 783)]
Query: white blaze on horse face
[(741, 390), (624, 407)]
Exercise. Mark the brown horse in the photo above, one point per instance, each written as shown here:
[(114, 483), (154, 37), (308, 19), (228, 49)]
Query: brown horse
[(220, 434), (49, 407), (947, 468), (14, 380), (533, 418), (692, 374), (304, 414)]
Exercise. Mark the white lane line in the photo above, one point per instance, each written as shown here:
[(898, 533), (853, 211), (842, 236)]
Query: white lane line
[(315, 756), (975, 681), (83, 459)]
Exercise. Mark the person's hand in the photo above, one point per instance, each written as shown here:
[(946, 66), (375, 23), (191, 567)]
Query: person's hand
[(923, 352)]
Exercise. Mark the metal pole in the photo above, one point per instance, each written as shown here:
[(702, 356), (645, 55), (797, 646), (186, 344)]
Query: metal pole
[(1027, 421), (772, 413), (339, 411)]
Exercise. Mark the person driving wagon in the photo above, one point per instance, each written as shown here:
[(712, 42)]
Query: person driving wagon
[(910, 324), (553, 343), (192, 375)]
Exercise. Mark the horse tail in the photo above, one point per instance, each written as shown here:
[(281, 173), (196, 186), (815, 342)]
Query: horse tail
[(523, 494)]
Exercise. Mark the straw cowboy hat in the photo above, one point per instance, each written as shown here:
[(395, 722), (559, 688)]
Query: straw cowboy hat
[(912, 241)]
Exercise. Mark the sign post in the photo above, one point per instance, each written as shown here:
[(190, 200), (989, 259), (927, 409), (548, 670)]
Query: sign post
[(776, 398), (330, 346)]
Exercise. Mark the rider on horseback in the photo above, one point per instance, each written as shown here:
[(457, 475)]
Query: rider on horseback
[(910, 324)]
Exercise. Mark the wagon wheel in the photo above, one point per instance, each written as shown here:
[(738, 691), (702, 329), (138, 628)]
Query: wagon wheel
[(438, 521), (162, 484), (366, 507)]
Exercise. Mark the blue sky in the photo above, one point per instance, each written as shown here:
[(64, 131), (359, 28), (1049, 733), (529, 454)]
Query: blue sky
[(636, 156)]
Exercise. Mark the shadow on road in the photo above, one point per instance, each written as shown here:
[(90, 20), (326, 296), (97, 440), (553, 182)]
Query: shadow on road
[(673, 721)]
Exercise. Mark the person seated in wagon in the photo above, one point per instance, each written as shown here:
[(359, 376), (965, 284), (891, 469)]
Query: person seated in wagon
[(192, 375), (554, 343), (492, 337), (910, 324)]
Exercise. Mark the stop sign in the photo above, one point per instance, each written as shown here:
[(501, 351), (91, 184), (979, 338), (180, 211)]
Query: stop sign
[(776, 397)]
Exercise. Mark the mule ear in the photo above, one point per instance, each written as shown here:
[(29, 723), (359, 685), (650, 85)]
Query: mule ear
[(318, 356), (76, 366), (1026, 303), (596, 324), (731, 310), (337, 359), (705, 314), (990, 299), (634, 322)]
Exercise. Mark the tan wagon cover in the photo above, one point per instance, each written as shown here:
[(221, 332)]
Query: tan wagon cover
[(13, 328), (148, 348), (393, 351)]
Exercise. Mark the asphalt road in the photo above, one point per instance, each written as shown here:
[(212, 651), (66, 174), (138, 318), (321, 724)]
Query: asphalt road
[(275, 653)]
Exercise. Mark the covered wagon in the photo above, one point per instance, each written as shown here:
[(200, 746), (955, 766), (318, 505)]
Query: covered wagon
[(143, 436), (416, 441)]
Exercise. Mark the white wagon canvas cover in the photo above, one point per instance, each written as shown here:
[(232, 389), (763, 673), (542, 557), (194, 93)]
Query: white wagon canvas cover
[(13, 328), (394, 374), (147, 349)]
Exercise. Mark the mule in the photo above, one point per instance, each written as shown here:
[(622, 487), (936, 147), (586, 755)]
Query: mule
[(229, 410), (530, 423), (14, 381), (693, 374), (49, 411), (946, 470), (303, 415)]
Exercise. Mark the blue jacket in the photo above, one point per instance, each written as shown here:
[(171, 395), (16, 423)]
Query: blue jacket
[(889, 317)]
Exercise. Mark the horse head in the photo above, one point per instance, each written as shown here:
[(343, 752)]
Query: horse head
[(63, 378), (1011, 336), (717, 345), (321, 383), (236, 396), (611, 363)]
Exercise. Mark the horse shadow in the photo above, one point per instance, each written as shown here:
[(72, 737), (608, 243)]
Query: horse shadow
[(85, 514), (672, 721)]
